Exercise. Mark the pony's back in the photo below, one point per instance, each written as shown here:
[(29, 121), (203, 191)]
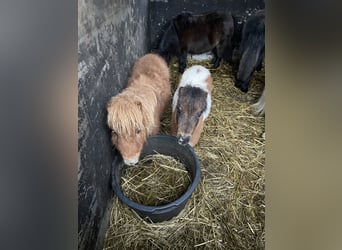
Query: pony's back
[(154, 68)]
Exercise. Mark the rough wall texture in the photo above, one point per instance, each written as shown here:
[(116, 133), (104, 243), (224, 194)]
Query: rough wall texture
[(162, 11), (112, 34)]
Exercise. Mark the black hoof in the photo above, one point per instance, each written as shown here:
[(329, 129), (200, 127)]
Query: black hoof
[(241, 87), (216, 65)]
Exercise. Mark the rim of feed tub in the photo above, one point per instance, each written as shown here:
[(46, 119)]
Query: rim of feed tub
[(166, 145)]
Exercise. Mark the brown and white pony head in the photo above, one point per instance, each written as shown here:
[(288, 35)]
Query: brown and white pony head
[(131, 122), (191, 104)]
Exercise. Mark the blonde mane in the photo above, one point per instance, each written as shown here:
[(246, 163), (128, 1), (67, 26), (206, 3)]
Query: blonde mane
[(132, 109)]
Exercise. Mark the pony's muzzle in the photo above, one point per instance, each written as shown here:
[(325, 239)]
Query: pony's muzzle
[(131, 162), (183, 139)]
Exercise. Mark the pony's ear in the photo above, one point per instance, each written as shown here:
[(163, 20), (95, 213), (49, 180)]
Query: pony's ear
[(180, 91)]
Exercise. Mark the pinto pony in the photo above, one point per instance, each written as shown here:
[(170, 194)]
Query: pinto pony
[(134, 114), (191, 105), (252, 49), (197, 34)]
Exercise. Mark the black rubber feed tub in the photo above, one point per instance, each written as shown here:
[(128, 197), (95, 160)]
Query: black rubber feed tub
[(166, 145)]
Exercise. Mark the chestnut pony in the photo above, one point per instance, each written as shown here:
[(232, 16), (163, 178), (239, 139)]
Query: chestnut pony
[(191, 105), (134, 114), (197, 34)]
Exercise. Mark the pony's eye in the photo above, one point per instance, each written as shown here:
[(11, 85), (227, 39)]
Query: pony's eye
[(179, 110), (198, 115), (138, 130)]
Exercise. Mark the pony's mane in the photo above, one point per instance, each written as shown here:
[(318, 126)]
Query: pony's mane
[(132, 110)]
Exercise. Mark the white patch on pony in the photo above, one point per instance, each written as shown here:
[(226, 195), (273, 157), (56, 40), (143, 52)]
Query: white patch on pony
[(200, 57), (259, 106), (207, 110), (175, 99), (195, 76)]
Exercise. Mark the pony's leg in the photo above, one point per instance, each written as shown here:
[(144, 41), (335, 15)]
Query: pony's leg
[(228, 51), (197, 132), (182, 61), (217, 59), (214, 51), (224, 50), (236, 53), (217, 62)]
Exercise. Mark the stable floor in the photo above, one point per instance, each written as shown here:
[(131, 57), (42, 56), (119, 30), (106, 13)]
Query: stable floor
[(227, 210)]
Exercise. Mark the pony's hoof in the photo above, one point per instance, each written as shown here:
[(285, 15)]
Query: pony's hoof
[(216, 65), (259, 68), (241, 87)]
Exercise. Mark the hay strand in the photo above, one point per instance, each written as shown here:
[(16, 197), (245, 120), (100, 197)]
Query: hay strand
[(156, 180)]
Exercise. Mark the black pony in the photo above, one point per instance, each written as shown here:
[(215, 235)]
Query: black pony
[(252, 49), (197, 34)]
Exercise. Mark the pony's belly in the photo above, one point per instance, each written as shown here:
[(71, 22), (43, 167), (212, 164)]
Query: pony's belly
[(199, 47)]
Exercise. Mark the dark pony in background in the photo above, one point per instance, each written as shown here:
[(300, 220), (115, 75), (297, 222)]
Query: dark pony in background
[(197, 34), (252, 49)]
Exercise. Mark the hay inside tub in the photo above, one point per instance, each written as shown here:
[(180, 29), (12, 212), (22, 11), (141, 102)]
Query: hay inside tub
[(227, 209), (155, 180)]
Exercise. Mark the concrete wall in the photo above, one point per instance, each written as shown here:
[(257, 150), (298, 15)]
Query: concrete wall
[(112, 34)]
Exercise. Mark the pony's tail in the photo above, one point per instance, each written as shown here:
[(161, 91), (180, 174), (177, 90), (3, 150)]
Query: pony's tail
[(259, 106)]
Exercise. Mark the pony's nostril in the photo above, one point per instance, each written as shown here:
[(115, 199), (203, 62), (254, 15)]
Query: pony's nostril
[(183, 139), (186, 140), (131, 162)]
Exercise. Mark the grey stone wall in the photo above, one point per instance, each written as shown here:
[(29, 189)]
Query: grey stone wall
[(112, 35)]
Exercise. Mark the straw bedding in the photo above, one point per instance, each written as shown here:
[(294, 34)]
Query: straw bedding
[(227, 210), (155, 180)]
